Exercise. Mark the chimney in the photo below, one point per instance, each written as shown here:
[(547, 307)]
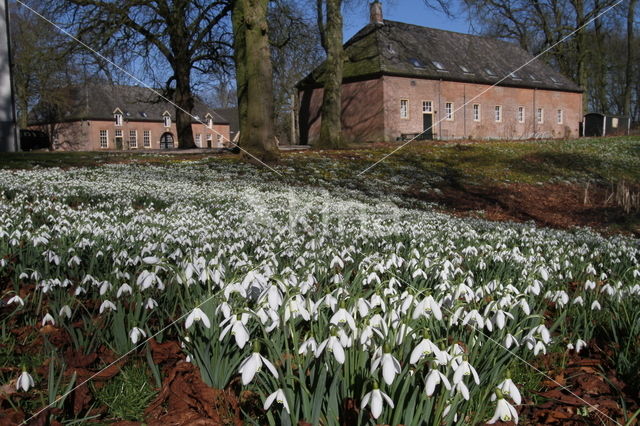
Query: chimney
[(376, 13)]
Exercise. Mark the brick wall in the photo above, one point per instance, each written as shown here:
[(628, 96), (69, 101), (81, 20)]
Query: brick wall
[(85, 135), (362, 112), (462, 124)]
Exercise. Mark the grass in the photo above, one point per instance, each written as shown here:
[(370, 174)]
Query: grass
[(128, 394)]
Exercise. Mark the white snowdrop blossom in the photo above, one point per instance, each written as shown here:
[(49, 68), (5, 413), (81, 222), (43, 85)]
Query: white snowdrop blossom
[(48, 319), (135, 334), (279, 397), (24, 382), (197, 315), (376, 399), (250, 366), (504, 411), (107, 305)]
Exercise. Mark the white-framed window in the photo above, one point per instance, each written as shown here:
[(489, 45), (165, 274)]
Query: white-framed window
[(448, 111), (476, 112), (118, 118), (133, 138), (560, 116), (146, 138), (210, 123), (540, 115), (498, 113), (404, 108), (198, 140), (219, 140), (427, 107), (520, 114), (118, 133), (167, 120), (104, 139)]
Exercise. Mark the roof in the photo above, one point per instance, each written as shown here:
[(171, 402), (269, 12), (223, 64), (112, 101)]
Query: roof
[(400, 49), (231, 116), (99, 101)]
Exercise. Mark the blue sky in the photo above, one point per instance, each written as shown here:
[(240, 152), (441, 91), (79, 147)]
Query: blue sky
[(409, 11)]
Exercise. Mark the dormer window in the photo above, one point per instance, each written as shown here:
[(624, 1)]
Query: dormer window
[(465, 69), (166, 117), (210, 123), (490, 72), (118, 117), (417, 63), (439, 66)]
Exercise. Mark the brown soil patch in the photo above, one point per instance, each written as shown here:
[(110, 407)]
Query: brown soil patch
[(553, 205)]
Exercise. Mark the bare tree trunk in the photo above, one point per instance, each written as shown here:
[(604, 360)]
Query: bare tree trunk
[(600, 69), (184, 100), (259, 137), (240, 58), (581, 51), (630, 57), (331, 124)]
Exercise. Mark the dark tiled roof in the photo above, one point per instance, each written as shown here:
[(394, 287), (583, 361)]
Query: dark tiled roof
[(97, 101), (230, 115), (396, 48)]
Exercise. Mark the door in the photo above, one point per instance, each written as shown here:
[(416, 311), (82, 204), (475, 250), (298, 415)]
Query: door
[(166, 141), (427, 127), (119, 143)]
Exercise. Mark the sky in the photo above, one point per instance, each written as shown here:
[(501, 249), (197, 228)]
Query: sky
[(409, 11)]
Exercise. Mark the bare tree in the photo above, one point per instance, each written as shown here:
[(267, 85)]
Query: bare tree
[(329, 16), (190, 35), (254, 79)]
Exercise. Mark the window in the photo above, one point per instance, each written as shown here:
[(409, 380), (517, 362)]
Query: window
[(498, 113), (133, 138), (167, 120), (540, 115), (199, 140), (210, 123), (118, 118), (514, 76), (209, 140), (219, 140), (118, 133), (417, 63), (439, 66), (404, 108), (560, 116), (146, 138), (476, 112), (448, 111), (427, 107), (104, 139), (520, 114), (489, 72), (465, 70)]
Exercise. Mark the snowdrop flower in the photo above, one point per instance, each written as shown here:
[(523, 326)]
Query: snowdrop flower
[(65, 311), (48, 319), (25, 381), (510, 340), (279, 397), (422, 349), (343, 317), (124, 288), (465, 369), (390, 365), (16, 299), (589, 285), (309, 345), (333, 345), (460, 388), (509, 389), (427, 307), (375, 399), (197, 315), (150, 304), (595, 306), (107, 304), (295, 307), (236, 325), (433, 379), (250, 366), (580, 345), (504, 411), (135, 334)]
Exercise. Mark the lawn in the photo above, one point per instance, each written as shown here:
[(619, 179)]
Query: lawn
[(180, 289)]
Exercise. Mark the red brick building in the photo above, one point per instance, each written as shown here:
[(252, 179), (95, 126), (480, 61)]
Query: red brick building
[(102, 117), (401, 80)]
